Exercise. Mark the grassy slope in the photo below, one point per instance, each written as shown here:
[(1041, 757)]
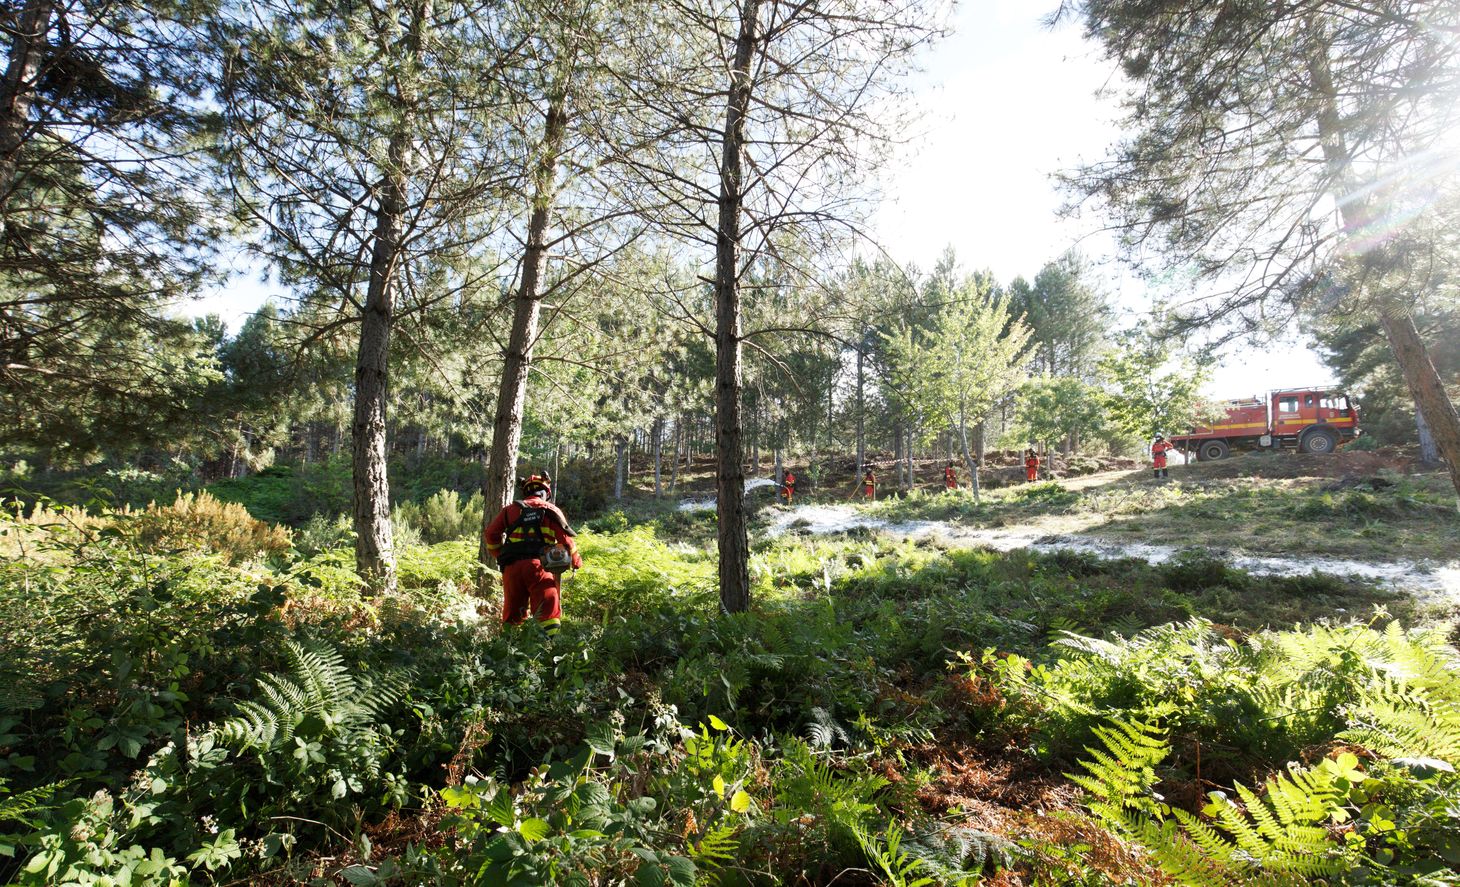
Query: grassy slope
[(1380, 517)]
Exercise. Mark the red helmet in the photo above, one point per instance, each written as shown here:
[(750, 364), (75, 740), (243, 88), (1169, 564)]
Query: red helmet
[(536, 482)]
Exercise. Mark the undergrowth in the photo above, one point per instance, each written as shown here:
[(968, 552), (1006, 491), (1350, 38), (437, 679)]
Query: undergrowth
[(183, 713)]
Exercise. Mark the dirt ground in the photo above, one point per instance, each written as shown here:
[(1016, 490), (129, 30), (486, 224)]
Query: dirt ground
[(1345, 463)]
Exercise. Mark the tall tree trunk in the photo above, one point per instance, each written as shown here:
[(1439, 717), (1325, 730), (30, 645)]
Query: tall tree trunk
[(678, 442), (734, 542), (498, 484), (658, 457), (374, 546), (557, 469), (755, 439), (620, 466), (907, 450), (861, 412), (1429, 454), (780, 469), (1424, 383), (980, 441), (499, 481), (968, 460), (17, 93)]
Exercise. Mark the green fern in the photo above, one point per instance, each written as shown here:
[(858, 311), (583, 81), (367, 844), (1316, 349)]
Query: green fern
[(318, 695), (956, 854), (711, 852), (824, 731), (804, 782), (1413, 707), (1122, 774), (1278, 836), (21, 807), (885, 851)]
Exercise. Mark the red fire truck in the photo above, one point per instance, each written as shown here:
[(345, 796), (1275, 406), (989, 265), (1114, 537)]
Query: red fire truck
[(1311, 420)]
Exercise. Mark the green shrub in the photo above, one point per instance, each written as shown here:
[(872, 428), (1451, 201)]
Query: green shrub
[(322, 532), (447, 565), (199, 521), (613, 522), (290, 495), (442, 517)]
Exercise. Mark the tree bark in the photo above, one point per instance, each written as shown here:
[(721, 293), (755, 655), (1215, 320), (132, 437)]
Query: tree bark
[(27, 51), (499, 481), (374, 545), (498, 484), (1429, 454), (734, 541), (907, 450), (1424, 383), (968, 459), (755, 439), (861, 412), (620, 464), (678, 442), (658, 457)]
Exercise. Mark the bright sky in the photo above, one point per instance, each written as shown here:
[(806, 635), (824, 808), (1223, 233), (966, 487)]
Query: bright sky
[(1009, 102)]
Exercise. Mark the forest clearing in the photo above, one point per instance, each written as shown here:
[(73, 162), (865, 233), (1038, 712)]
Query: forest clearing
[(729, 442)]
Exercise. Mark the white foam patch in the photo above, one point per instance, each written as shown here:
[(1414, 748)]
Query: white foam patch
[(1439, 582), (708, 503)]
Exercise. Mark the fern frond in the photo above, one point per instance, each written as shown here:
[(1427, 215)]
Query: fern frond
[(1094, 647), (824, 731), (886, 852), (716, 848), (20, 806), (1121, 775), (1187, 862)]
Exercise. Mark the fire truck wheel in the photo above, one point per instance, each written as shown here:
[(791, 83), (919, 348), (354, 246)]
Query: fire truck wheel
[(1213, 450), (1319, 442)]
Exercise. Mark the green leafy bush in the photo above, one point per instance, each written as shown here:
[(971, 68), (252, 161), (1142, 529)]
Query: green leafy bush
[(442, 517)]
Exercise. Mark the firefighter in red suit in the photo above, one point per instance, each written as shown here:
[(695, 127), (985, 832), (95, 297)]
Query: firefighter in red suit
[(869, 485), (519, 538), (789, 487), (950, 477), (1159, 449), (1031, 465)]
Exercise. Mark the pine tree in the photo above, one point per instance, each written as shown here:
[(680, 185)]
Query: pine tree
[(1294, 156)]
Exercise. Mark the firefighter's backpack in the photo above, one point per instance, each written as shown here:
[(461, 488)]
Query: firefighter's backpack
[(533, 542)]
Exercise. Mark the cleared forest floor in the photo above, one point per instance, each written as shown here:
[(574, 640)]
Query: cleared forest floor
[(1366, 515)]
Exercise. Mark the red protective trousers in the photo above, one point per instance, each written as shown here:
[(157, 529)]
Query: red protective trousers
[(526, 586), (1031, 470)]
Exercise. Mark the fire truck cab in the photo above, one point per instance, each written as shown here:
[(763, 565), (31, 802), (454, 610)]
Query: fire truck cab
[(1310, 420)]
